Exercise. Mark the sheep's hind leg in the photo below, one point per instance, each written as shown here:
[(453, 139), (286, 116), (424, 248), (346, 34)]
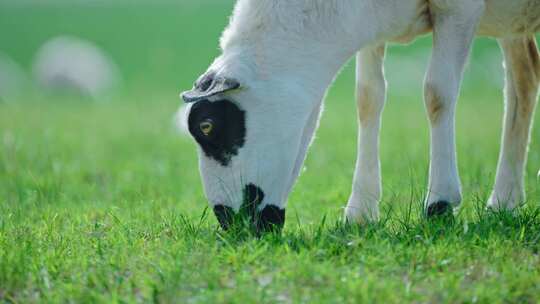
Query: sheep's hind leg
[(522, 67), (363, 205), (454, 28)]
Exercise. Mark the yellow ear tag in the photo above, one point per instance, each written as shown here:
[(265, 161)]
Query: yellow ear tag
[(206, 127)]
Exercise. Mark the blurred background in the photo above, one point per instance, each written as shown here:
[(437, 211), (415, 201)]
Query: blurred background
[(89, 89), (158, 46)]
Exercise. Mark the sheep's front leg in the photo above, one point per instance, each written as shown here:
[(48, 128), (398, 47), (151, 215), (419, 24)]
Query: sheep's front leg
[(363, 205), (522, 66), (454, 27)]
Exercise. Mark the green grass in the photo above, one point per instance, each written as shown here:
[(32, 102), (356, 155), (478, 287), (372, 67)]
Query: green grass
[(102, 202)]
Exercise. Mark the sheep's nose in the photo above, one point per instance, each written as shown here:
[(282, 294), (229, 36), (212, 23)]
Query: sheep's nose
[(269, 218)]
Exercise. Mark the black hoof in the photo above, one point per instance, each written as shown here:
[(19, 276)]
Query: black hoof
[(439, 209)]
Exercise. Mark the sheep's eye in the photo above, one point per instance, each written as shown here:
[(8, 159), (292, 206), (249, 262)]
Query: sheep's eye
[(206, 126)]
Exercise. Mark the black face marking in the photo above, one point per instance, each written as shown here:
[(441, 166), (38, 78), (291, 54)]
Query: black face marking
[(439, 209), (269, 219), (228, 128)]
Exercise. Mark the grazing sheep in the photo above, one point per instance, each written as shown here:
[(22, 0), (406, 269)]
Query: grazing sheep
[(72, 64), (12, 79), (255, 110)]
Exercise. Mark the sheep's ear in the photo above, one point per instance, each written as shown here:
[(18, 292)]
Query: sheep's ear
[(209, 85)]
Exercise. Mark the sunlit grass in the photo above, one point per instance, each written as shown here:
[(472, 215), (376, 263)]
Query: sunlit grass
[(102, 202)]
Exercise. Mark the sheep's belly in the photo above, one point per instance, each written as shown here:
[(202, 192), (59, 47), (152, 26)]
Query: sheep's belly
[(510, 17), (502, 18)]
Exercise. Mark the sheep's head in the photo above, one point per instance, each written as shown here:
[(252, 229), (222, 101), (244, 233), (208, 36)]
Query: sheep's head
[(252, 138)]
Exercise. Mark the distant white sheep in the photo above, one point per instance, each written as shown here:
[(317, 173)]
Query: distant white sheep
[(73, 64)]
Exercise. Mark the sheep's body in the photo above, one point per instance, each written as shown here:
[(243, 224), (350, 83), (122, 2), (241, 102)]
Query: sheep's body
[(394, 20), (284, 54)]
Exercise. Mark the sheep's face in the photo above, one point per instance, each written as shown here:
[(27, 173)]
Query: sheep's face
[(252, 143)]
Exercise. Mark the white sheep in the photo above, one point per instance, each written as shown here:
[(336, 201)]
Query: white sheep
[(256, 109), (68, 63)]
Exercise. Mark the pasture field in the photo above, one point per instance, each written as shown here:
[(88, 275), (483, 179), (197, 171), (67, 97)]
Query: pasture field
[(102, 201)]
